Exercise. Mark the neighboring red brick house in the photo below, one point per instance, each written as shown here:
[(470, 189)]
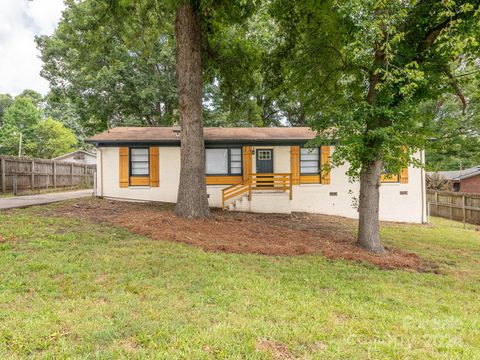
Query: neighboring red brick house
[(467, 181), (470, 184)]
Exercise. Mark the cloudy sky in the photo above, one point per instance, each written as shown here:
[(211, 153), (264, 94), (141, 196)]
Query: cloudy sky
[(20, 21)]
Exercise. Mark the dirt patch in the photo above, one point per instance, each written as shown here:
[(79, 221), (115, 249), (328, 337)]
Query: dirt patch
[(268, 234), (128, 345), (275, 349)]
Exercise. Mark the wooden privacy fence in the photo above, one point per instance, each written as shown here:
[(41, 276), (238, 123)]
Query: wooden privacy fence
[(20, 173), (455, 206)]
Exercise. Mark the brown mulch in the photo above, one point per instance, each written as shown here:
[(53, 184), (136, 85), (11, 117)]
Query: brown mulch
[(268, 234)]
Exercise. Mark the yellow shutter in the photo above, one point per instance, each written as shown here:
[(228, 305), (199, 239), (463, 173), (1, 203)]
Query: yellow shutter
[(154, 167), (404, 171), (123, 168), (139, 181), (404, 176), (295, 164), (247, 162), (325, 165)]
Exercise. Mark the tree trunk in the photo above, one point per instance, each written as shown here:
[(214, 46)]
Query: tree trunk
[(192, 198), (369, 224), (369, 202)]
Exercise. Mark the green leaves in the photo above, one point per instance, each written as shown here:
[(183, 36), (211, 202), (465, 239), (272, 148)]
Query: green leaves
[(114, 62), (24, 123), (389, 58), (19, 123), (52, 139)]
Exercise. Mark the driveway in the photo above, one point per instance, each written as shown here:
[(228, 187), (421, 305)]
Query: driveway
[(24, 201)]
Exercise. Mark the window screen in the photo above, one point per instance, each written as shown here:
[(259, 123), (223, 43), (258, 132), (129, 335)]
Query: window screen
[(139, 162), (223, 161), (216, 161), (309, 160)]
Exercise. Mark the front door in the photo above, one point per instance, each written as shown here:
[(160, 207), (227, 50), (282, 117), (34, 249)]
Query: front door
[(264, 161)]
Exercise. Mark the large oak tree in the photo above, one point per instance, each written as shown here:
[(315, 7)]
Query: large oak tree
[(112, 59), (196, 22), (366, 67), (192, 192)]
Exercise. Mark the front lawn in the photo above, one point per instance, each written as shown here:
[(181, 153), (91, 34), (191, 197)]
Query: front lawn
[(76, 288)]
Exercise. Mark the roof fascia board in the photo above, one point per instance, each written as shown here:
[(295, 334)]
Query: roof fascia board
[(74, 152), (476, 173), (207, 142)]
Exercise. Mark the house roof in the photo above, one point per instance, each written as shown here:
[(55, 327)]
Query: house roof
[(211, 135), (458, 175), (74, 152)]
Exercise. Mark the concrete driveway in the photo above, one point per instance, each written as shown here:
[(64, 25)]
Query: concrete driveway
[(29, 200)]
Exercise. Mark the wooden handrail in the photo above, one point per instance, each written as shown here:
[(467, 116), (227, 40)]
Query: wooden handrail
[(270, 181)]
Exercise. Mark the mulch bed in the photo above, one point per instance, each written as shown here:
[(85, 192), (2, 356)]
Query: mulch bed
[(267, 234)]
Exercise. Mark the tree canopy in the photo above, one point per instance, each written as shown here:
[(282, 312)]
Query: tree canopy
[(364, 71), (26, 130), (52, 139), (115, 61), (113, 71), (456, 144)]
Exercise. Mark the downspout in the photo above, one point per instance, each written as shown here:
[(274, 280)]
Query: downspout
[(101, 173)]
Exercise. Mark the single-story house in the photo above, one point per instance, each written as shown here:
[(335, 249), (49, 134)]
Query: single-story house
[(466, 181), (78, 156), (248, 169)]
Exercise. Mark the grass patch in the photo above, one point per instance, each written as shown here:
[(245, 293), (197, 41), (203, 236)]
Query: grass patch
[(70, 288)]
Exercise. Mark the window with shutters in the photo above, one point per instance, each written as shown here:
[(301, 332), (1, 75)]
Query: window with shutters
[(139, 162), (309, 161), (389, 177), (223, 161)]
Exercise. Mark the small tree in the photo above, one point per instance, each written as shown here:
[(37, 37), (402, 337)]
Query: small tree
[(19, 123), (52, 139)]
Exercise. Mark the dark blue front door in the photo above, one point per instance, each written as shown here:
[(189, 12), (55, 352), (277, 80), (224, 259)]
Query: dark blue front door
[(264, 161)]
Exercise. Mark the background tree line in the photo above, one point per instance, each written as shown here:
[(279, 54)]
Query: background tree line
[(36, 126)]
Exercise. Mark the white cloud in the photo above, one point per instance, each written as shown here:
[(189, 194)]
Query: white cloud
[(20, 21)]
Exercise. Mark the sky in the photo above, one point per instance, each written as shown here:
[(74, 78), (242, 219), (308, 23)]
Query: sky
[(20, 21)]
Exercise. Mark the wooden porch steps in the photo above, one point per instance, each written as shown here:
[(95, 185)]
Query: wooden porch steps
[(241, 204), (239, 196)]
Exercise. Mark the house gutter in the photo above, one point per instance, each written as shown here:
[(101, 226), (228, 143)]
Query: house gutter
[(248, 142)]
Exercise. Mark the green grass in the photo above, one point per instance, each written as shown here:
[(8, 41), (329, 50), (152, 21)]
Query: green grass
[(70, 289)]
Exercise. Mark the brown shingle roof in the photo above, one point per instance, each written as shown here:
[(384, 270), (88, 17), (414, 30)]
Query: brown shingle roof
[(211, 134)]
